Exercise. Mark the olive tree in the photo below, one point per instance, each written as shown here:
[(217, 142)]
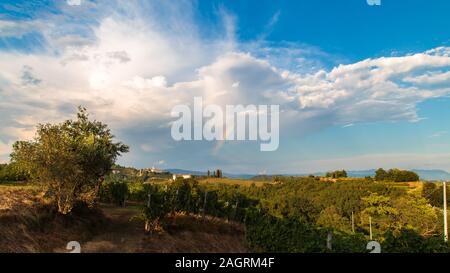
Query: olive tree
[(70, 159)]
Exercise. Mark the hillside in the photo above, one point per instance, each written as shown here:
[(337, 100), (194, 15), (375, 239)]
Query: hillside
[(28, 224), (427, 175)]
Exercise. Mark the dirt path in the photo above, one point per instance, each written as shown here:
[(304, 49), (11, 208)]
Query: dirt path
[(121, 234)]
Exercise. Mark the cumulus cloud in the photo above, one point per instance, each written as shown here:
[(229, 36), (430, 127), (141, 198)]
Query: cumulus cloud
[(131, 70)]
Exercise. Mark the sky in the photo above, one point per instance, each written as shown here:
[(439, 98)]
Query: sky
[(358, 86)]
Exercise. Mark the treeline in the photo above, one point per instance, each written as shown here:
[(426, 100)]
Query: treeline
[(337, 174), (217, 173), (433, 192), (12, 172), (396, 175)]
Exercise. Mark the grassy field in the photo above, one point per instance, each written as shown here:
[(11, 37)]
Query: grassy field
[(231, 181)]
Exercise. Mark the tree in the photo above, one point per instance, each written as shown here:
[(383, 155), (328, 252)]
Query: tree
[(337, 174), (434, 194), (70, 158), (330, 218), (415, 213), (381, 175), (380, 209), (396, 175)]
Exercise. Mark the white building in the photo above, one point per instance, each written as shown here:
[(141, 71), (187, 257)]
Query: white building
[(184, 176), (152, 170)]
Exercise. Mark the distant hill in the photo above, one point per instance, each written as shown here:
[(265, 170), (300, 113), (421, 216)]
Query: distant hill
[(433, 174), (200, 173), (423, 174), (181, 171)]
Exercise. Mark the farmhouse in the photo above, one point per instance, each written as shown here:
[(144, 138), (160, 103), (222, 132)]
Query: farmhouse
[(152, 170)]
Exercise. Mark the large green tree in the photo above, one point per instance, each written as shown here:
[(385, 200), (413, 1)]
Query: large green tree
[(70, 158)]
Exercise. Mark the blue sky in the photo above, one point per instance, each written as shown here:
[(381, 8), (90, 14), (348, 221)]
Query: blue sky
[(359, 86)]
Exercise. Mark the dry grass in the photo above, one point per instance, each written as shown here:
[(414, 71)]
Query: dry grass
[(18, 195), (182, 234), (194, 234), (29, 224)]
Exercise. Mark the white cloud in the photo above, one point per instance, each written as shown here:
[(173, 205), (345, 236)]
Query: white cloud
[(161, 162), (133, 71), (14, 29), (73, 2)]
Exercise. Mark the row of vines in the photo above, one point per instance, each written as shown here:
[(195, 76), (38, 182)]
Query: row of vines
[(269, 228)]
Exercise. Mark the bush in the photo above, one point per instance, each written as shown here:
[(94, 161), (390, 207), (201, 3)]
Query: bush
[(114, 192), (409, 241), (266, 233), (337, 174), (12, 172), (155, 209)]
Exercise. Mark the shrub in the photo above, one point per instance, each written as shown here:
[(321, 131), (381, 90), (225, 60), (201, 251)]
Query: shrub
[(115, 192)]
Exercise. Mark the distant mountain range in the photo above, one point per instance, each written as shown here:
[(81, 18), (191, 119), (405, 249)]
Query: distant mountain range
[(229, 175), (423, 174)]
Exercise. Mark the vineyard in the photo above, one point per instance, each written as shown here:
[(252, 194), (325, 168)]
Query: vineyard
[(71, 166), (296, 214)]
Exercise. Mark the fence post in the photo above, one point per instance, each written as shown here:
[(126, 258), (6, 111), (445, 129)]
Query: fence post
[(147, 222), (329, 239), (235, 210), (353, 222), (204, 204)]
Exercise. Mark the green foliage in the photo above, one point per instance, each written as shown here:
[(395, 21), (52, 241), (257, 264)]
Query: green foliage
[(396, 175), (69, 158), (409, 241), (266, 233), (415, 213), (381, 175), (433, 192), (13, 172), (189, 197), (114, 190), (155, 209), (332, 219), (337, 174), (297, 213), (217, 173)]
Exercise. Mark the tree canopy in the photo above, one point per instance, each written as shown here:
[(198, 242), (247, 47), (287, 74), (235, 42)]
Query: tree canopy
[(396, 175), (70, 158)]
